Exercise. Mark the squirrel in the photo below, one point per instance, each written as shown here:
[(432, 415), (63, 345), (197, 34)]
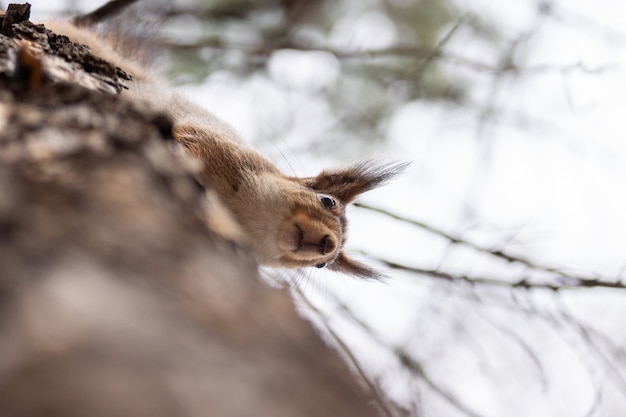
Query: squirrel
[(291, 222)]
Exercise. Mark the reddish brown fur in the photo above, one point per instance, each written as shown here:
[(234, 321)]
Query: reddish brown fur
[(285, 218)]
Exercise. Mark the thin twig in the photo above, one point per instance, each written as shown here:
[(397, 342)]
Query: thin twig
[(405, 359), (570, 280), (572, 283), (593, 346), (378, 396), (440, 45), (414, 366), (399, 50)]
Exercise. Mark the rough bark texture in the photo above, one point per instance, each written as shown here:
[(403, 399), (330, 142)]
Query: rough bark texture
[(115, 298)]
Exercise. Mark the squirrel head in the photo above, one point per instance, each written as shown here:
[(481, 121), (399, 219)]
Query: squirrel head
[(301, 222), (291, 222)]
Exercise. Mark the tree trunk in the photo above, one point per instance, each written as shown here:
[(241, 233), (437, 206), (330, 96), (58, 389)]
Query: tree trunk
[(116, 298)]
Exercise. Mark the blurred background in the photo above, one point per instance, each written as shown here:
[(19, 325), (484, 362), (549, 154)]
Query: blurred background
[(505, 240)]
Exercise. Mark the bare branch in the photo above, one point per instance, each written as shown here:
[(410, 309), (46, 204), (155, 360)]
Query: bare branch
[(437, 51), (585, 334), (567, 280), (399, 50), (564, 284), (511, 333), (404, 357), (379, 397), (414, 366)]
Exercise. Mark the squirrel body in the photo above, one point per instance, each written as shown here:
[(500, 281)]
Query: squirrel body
[(290, 222)]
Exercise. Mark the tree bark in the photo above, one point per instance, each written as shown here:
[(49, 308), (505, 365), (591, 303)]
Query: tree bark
[(116, 298)]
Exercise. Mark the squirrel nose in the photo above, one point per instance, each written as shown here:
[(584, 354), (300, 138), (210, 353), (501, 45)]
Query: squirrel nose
[(327, 245)]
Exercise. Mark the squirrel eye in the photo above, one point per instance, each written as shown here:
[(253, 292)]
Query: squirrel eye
[(328, 202), (321, 265)]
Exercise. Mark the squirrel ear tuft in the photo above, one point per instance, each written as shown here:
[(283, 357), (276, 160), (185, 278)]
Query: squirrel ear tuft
[(349, 266), (348, 183)]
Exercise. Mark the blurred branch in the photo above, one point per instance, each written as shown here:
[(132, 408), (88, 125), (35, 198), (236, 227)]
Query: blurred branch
[(343, 348), (108, 10), (414, 51), (589, 340), (511, 333), (459, 23), (399, 50), (414, 366), (218, 11), (525, 283), (597, 343), (567, 280), (404, 357)]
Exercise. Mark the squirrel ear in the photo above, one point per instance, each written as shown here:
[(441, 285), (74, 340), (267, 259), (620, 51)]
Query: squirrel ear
[(346, 265), (346, 184)]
